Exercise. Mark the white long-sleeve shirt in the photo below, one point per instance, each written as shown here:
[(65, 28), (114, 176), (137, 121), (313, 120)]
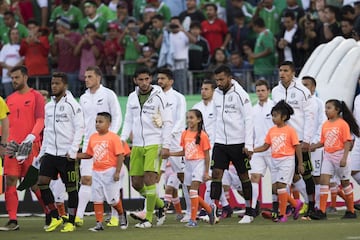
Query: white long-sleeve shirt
[(208, 114), (262, 119), (64, 127), (299, 98), (320, 118), (103, 100), (139, 120), (233, 114)]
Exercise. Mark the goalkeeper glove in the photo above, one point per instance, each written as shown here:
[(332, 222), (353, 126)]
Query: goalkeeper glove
[(25, 148), (157, 120), (12, 149)]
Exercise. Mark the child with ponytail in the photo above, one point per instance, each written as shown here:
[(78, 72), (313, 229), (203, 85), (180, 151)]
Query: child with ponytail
[(337, 141), (196, 145)]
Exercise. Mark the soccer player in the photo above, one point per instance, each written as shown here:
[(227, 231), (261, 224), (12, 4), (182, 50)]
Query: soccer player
[(262, 123), (148, 118), (64, 129), (106, 149), (317, 155), (234, 136), (355, 153), (26, 108), (300, 99), (96, 98), (177, 104)]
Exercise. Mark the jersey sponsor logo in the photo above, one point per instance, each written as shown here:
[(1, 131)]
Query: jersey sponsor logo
[(278, 143), (100, 101), (27, 103), (211, 115), (63, 117), (78, 110), (331, 137)]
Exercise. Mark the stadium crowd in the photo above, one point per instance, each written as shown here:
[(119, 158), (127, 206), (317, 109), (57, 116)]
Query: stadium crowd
[(188, 36), (162, 41)]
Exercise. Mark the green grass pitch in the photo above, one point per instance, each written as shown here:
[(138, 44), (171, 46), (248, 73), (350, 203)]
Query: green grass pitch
[(333, 228)]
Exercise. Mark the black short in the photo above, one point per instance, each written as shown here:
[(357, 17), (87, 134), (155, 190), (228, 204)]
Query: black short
[(308, 168), (51, 166), (223, 154)]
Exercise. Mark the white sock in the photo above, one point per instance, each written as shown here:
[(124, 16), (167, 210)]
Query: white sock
[(255, 194), (224, 202), (356, 177), (317, 196), (114, 212), (207, 193), (84, 198), (187, 199), (301, 187)]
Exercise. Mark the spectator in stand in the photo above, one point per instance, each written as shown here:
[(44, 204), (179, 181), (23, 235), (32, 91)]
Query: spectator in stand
[(9, 58), (23, 10), (148, 58), (104, 11), (290, 42), (41, 10), (90, 50), (68, 10), (347, 28), (292, 6), (145, 24), (122, 13), (35, 49), (330, 27), (4, 6), (239, 32), (63, 49), (219, 58), (357, 18), (220, 4), (10, 22), (90, 10), (237, 6), (161, 8), (214, 30), (139, 6), (271, 15), (198, 50), (155, 36), (113, 51), (175, 6), (175, 54), (241, 70), (132, 41), (348, 12), (192, 12), (308, 27), (264, 52)]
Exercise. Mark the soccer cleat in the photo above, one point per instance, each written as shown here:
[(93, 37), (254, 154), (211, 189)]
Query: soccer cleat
[(331, 210), (283, 219), (179, 216), (65, 218), (68, 227), (304, 209), (54, 224), (98, 227), (11, 225), (226, 212), (274, 217), (191, 224), (204, 218), (297, 209), (79, 222), (186, 218), (167, 205), (140, 215), (161, 217), (318, 215), (114, 222), (143, 224), (246, 219), (123, 221), (349, 215), (212, 214)]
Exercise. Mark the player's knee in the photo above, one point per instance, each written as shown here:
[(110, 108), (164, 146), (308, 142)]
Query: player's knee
[(215, 191), (86, 180)]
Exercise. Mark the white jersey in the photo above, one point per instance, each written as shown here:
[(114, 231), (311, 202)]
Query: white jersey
[(64, 127), (10, 56), (299, 98), (103, 100), (233, 114), (207, 111), (262, 123), (177, 104), (320, 118)]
